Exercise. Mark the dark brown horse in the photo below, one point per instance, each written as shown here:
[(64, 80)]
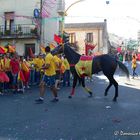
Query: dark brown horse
[(105, 63)]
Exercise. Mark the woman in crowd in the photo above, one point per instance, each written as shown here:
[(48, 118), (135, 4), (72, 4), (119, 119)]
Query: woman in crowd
[(134, 66), (25, 66), (15, 68)]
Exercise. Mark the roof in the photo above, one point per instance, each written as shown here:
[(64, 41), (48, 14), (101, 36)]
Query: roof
[(85, 25)]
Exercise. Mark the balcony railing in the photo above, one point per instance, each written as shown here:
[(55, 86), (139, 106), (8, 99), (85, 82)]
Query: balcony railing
[(18, 31)]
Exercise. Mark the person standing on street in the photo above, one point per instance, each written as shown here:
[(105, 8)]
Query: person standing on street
[(134, 66), (48, 77), (15, 68)]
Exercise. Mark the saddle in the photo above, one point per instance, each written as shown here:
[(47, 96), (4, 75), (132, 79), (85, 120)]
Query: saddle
[(84, 66)]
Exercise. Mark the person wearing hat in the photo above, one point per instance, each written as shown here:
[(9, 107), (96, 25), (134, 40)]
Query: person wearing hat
[(49, 76)]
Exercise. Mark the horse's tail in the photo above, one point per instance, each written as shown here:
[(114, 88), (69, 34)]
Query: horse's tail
[(123, 68)]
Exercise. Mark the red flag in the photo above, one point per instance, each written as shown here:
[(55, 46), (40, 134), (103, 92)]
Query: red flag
[(89, 47), (58, 39), (21, 76), (2, 51), (11, 49), (31, 53)]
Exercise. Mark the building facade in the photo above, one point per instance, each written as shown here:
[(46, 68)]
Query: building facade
[(23, 25), (89, 33)]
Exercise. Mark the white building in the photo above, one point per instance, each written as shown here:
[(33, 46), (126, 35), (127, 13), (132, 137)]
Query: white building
[(19, 28)]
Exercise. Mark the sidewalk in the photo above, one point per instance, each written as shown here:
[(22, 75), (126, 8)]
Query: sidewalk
[(123, 80), (133, 83)]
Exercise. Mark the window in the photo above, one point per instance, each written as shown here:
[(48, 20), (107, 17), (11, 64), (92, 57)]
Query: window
[(72, 38), (89, 37), (9, 21)]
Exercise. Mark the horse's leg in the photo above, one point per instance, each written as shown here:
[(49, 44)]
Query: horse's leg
[(75, 77), (106, 90), (116, 89), (86, 88), (114, 82)]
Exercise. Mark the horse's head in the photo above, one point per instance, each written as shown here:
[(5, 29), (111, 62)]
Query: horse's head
[(57, 50)]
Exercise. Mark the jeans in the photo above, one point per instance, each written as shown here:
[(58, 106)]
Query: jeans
[(37, 77), (66, 78), (32, 77)]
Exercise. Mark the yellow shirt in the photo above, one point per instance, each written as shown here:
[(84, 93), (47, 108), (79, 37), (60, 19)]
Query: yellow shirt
[(49, 59), (58, 62), (1, 65), (134, 63), (67, 65), (31, 64), (38, 63)]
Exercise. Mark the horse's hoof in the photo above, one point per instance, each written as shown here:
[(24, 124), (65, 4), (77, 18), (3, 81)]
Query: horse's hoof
[(90, 96), (114, 100), (69, 96), (105, 94)]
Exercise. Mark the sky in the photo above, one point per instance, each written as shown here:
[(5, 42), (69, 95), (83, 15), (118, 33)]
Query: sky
[(123, 17)]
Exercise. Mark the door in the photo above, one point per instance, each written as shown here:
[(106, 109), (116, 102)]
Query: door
[(29, 50)]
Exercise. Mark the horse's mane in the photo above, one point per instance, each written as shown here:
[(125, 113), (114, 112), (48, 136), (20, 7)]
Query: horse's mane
[(72, 56)]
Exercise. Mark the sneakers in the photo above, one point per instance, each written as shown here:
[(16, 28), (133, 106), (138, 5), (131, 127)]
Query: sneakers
[(39, 101), (58, 88), (55, 100), (28, 87)]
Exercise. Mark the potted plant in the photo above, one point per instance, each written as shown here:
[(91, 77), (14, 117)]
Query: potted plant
[(7, 32), (34, 31)]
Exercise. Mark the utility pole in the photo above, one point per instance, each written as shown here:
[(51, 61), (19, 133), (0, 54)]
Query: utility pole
[(41, 2)]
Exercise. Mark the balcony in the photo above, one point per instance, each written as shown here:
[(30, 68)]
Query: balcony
[(18, 32)]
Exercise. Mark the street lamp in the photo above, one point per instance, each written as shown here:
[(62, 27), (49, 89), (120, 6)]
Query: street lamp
[(64, 13)]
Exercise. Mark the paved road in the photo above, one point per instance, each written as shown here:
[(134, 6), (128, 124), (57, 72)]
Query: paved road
[(80, 118)]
